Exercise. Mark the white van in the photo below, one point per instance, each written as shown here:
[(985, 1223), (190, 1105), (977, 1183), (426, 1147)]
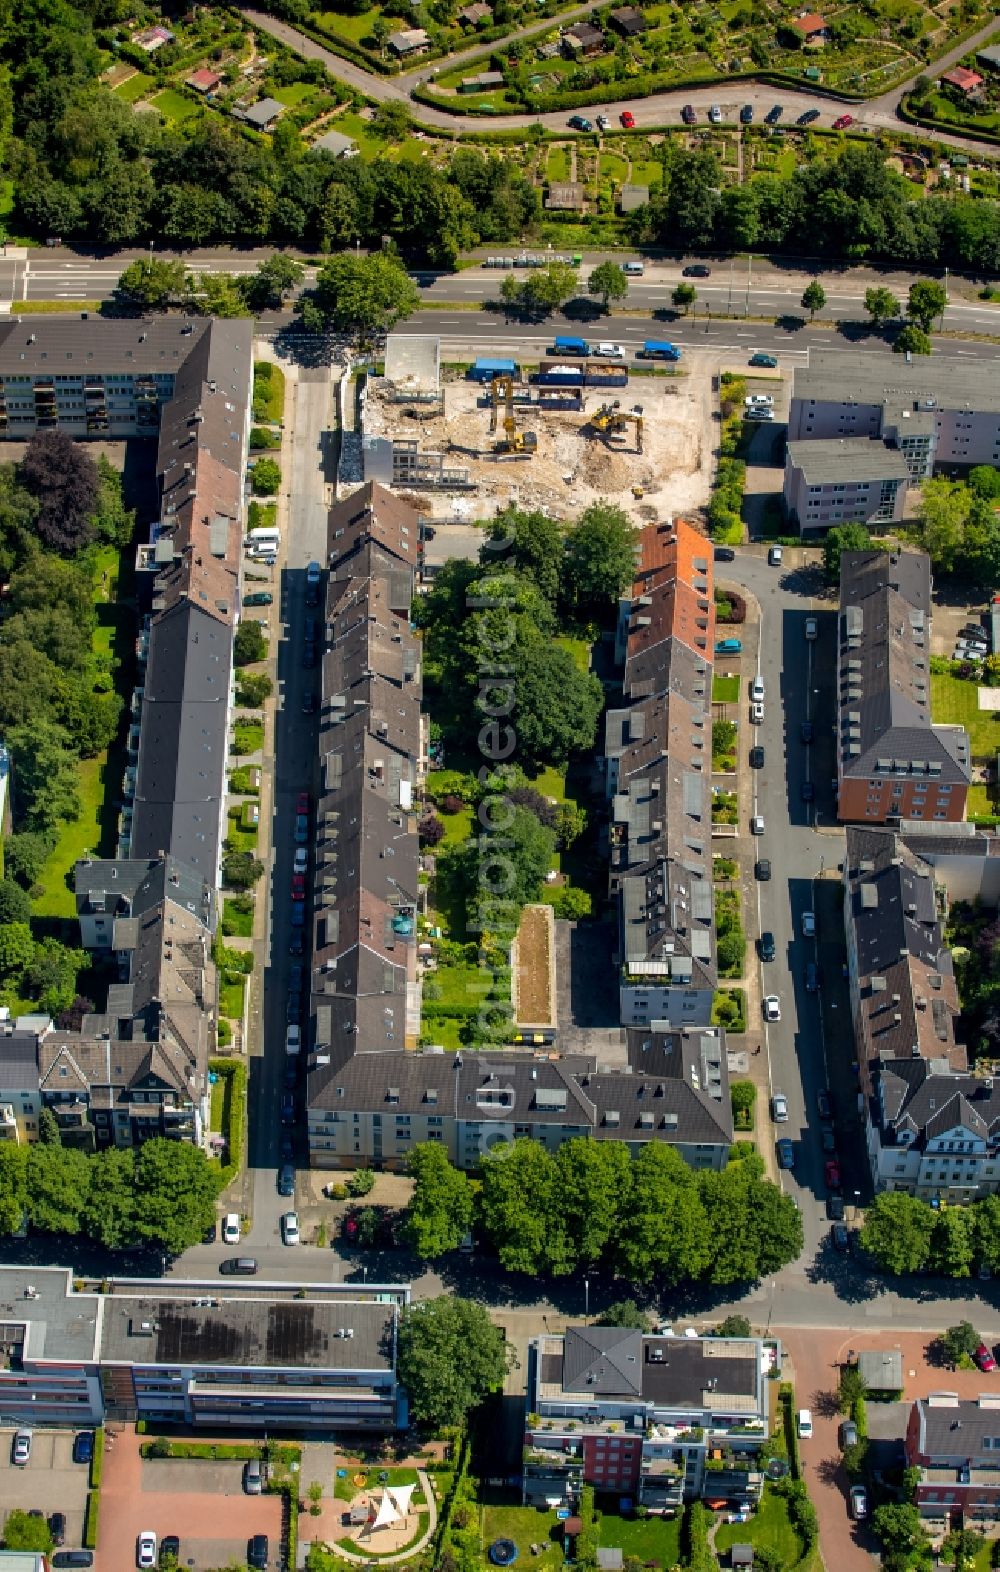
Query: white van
[(633, 269), (266, 538)]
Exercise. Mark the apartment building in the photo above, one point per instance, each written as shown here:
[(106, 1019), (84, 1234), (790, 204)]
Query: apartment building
[(20, 1092), (955, 1445), (843, 480), (374, 1108), (658, 772), (934, 411), (665, 1420), (892, 761), (932, 1128), (138, 1067), (200, 1354)]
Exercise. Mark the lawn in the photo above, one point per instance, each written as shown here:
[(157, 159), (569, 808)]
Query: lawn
[(551, 783), (646, 172), (526, 1526), (136, 87), (956, 701), (295, 94), (460, 985), (345, 1489), (236, 924), (578, 648), (725, 690), (769, 1526), (354, 28), (613, 167), (247, 739), (268, 392), (457, 828), (649, 1539), (983, 802), (6, 198), (75, 840), (558, 164), (352, 125), (175, 106), (231, 998)]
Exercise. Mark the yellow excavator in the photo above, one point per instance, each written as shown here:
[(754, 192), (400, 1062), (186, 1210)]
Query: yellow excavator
[(522, 443), (613, 421)]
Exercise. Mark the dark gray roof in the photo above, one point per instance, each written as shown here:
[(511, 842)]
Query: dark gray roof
[(957, 1433), (69, 345), (846, 376), (604, 1360), (851, 459), (254, 1331), (884, 709), (180, 777), (262, 113), (18, 1061), (58, 1324)]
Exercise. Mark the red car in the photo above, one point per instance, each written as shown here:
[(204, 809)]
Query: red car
[(831, 1171), (842, 122), (298, 886), (627, 119), (984, 1359), (302, 802)]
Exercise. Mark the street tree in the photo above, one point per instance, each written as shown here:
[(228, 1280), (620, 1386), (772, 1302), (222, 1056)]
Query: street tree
[(926, 300), (550, 287), (520, 1204), (608, 282), (626, 1313), (57, 1182), (813, 297), (911, 340), (109, 1212), (13, 1186), (175, 1191), (599, 562), (662, 1232), (841, 538), (152, 284), (450, 1358), (898, 1231), (881, 305), (64, 479), (362, 295), (592, 1176), (221, 295), (683, 296), (953, 1242), (960, 1341), (275, 279), (440, 1211)]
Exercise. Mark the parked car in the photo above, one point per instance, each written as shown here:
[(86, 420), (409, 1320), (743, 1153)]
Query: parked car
[(697, 270), (772, 1007), (757, 757), (83, 1446), (170, 1549), (609, 352), (804, 1424), (835, 1208), (779, 1108), (811, 627), (840, 1237), (302, 802), (293, 1039), (828, 1140), (57, 1527), (763, 400), (807, 117), (762, 869), (253, 1477), (627, 120), (812, 977), (758, 412), (774, 114), (293, 1017), (298, 914), (767, 945), (231, 1231), (300, 862), (757, 689), (239, 1266), (579, 123), (757, 714), (715, 115), (757, 824), (842, 122), (310, 703), (728, 646), (786, 1153), (288, 1107), (689, 115), (297, 942), (145, 1549), (831, 1173), (807, 791), (760, 359), (984, 1359), (775, 556), (723, 554), (257, 1552), (290, 1228), (746, 115), (20, 1448), (823, 1104), (286, 1180), (859, 1502), (296, 978), (602, 122), (72, 1558), (258, 598), (301, 828), (806, 732), (808, 925)]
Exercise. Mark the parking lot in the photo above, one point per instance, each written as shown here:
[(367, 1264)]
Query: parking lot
[(202, 1502), (50, 1481)]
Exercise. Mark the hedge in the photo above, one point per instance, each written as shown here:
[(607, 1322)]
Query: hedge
[(786, 1397), (235, 1106), (97, 1461), (90, 1521)]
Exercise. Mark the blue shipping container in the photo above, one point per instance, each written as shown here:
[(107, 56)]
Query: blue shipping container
[(572, 346), (485, 370), (655, 349)]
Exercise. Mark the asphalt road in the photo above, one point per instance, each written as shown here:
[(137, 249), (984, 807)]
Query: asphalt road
[(657, 110)]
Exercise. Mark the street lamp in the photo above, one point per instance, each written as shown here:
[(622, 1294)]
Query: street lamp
[(586, 1299)]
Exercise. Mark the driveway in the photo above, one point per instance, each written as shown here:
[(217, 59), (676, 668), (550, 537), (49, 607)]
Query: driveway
[(52, 1482), (202, 1502)]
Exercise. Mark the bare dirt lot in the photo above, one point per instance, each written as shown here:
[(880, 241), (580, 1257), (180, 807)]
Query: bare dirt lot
[(573, 466)]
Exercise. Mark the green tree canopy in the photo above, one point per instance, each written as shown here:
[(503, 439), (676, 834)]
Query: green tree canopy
[(881, 305), (175, 1191), (599, 562), (608, 282), (926, 300), (152, 284), (911, 340), (841, 538), (57, 1182), (520, 1207), (626, 1313), (813, 297), (683, 296), (451, 1357), (662, 1232), (961, 1339), (362, 295), (110, 1211), (440, 1212), (13, 1186), (531, 542), (898, 1232), (21, 1531)]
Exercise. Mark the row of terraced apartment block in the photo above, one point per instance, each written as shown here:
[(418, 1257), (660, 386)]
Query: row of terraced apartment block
[(138, 1067)]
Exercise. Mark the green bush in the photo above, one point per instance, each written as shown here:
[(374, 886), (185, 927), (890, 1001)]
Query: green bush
[(266, 478), (90, 1521), (234, 1109), (361, 1182), (97, 1461), (262, 439)]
